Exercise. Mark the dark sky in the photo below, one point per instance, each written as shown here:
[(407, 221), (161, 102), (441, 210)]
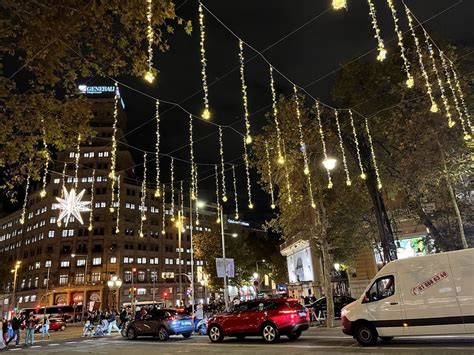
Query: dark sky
[(311, 55)]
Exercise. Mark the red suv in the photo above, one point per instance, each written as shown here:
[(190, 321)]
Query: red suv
[(269, 318)]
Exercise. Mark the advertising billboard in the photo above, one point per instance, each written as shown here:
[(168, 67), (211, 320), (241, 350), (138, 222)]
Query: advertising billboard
[(300, 266)]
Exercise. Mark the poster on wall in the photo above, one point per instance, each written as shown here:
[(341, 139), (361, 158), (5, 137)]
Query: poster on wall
[(60, 299), (406, 248), (300, 266)]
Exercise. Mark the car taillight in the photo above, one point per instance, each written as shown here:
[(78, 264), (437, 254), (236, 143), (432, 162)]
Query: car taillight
[(289, 311), (172, 318)]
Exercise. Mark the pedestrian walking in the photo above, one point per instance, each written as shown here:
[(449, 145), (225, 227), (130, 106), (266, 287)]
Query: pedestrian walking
[(45, 328), (112, 323), (5, 330), (3, 346), (16, 324), (30, 330)]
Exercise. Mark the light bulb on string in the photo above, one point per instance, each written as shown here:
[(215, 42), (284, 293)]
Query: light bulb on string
[(339, 4), (117, 224), (280, 158), (323, 144), (163, 210), (206, 113), (172, 189), (143, 198), (218, 202), (113, 152), (341, 145), (372, 153), (429, 90), (269, 173), (47, 159), (363, 176), (236, 201), (191, 153), (247, 173), (25, 200), (382, 52), (467, 116), (181, 200), (197, 193), (91, 213), (410, 82), (157, 148), (77, 156), (63, 185), (287, 176), (248, 137), (150, 74), (221, 153)]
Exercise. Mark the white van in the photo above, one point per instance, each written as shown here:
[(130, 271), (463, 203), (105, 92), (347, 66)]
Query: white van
[(423, 295)]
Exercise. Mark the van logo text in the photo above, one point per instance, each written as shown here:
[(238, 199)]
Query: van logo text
[(420, 288)]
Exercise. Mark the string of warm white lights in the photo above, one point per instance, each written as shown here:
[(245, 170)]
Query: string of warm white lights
[(149, 75), (181, 198), (248, 137), (91, 213), (197, 193), (339, 4), (429, 90), (143, 198), (323, 143), (287, 175), (363, 176), (461, 96), (406, 64), (77, 155), (206, 113), (247, 172), (303, 148), (380, 45), (221, 153), (163, 210), (372, 153), (47, 159), (191, 153), (269, 173), (25, 201), (63, 185), (280, 158), (218, 202), (172, 189), (236, 200), (113, 152), (341, 145), (157, 147), (117, 225)]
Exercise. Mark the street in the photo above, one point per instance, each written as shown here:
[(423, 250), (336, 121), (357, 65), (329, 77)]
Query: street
[(315, 340)]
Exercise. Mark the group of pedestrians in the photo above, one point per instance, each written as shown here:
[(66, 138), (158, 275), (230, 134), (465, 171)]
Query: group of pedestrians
[(11, 329), (100, 323)]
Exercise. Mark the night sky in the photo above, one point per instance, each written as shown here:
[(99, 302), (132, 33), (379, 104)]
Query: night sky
[(310, 57)]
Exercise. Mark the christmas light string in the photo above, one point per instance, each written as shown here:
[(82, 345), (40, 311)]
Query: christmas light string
[(143, 198), (181, 200), (113, 157), (77, 156), (380, 45), (218, 202), (63, 185), (236, 200), (163, 210), (341, 145), (247, 172), (363, 176), (47, 158), (206, 113), (91, 213), (287, 176), (280, 158), (372, 153), (196, 192), (406, 64), (248, 137), (461, 97), (221, 153), (25, 200), (323, 143), (157, 147), (191, 153), (172, 189), (117, 225), (269, 173), (429, 90), (149, 75)]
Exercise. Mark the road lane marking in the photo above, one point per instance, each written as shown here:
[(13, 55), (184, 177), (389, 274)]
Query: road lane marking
[(53, 344), (71, 342)]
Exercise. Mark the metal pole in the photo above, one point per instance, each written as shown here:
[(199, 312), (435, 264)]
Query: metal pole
[(179, 257), (85, 289), (154, 286), (46, 296), (192, 252), (133, 295), (226, 291), (14, 287)]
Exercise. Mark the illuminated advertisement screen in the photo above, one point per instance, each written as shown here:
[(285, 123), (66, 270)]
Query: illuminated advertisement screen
[(406, 248), (300, 266)]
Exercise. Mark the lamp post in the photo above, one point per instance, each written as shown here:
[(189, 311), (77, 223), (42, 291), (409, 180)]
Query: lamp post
[(85, 284), (46, 295), (15, 272), (259, 261), (180, 227), (114, 284)]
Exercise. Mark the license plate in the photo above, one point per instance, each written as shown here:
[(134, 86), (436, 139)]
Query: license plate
[(302, 314)]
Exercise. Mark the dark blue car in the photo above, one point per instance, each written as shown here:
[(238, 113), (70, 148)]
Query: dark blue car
[(161, 323)]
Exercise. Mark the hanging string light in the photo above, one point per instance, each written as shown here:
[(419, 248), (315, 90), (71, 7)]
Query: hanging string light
[(341, 145), (181, 199), (287, 176), (77, 155), (117, 226), (218, 202), (380, 45), (47, 159), (143, 197), (247, 172), (303, 148), (157, 147), (323, 143), (280, 158), (149, 75), (91, 213), (191, 151), (172, 189), (236, 200), (63, 185), (406, 64), (248, 137), (113, 156), (269, 173), (372, 153), (434, 106), (363, 176), (221, 152), (163, 210), (25, 201), (461, 97), (196, 190), (206, 114), (339, 4)]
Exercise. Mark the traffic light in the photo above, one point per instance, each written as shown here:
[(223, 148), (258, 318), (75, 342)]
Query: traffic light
[(130, 292)]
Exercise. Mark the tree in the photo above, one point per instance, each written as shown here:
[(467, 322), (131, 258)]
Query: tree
[(45, 48)]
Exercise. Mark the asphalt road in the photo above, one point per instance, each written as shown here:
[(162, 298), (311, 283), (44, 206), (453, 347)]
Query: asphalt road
[(315, 340)]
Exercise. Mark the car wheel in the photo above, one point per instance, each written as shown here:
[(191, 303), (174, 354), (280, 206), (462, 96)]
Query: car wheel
[(240, 337), (366, 334), (131, 334), (186, 335), (386, 339), (270, 333), (63, 328), (163, 334), (215, 334), (294, 335)]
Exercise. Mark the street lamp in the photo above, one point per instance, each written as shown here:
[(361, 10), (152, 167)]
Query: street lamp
[(15, 272), (259, 261), (114, 284), (85, 280)]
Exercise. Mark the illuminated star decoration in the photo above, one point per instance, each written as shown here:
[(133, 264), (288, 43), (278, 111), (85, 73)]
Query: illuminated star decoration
[(71, 205)]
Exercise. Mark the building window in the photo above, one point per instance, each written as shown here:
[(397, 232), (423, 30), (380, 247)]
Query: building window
[(51, 234), (97, 261), (33, 298), (81, 262), (154, 261), (64, 263), (128, 276), (113, 260), (63, 279), (47, 263), (36, 284), (79, 279), (37, 265), (141, 276), (154, 276), (141, 291), (95, 277)]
